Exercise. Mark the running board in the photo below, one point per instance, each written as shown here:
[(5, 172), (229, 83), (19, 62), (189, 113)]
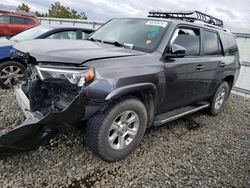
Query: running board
[(178, 113)]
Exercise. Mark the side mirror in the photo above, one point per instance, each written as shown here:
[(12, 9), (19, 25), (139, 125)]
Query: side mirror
[(177, 51)]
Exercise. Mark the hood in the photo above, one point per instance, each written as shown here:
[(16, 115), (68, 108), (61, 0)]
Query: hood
[(72, 51), (4, 42)]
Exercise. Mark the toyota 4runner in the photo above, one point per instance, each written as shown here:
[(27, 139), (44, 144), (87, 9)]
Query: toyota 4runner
[(132, 73)]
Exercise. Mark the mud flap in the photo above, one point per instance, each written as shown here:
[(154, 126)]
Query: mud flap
[(37, 129)]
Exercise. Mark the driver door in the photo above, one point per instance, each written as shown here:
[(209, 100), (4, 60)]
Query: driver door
[(184, 74)]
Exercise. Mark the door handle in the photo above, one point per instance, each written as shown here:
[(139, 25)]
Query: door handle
[(222, 64), (200, 67)]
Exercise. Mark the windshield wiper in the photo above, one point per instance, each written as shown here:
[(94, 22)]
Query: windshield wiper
[(93, 39), (116, 43)]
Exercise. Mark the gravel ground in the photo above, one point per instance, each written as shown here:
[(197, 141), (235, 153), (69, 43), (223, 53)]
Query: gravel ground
[(11, 115), (195, 151)]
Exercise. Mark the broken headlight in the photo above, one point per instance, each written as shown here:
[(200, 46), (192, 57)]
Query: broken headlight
[(75, 76)]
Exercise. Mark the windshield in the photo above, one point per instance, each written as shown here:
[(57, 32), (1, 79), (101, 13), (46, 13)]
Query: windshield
[(143, 34), (30, 33)]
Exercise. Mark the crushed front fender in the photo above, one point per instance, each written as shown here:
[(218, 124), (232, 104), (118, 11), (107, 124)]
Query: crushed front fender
[(36, 129)]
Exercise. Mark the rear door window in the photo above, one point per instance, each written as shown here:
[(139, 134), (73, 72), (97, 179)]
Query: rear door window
[(4, 19), (211, 43), (16, 20), (188, 38), (85, 35), (68, 35)]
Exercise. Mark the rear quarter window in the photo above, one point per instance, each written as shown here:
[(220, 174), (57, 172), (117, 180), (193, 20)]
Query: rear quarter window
[(229, 44), (28, 21)]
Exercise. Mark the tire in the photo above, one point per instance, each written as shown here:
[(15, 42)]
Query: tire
[(104, 135), (218, 100), (7, 68)]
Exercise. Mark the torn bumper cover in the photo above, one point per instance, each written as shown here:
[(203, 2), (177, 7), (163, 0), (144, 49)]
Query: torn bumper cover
[(38, 128)]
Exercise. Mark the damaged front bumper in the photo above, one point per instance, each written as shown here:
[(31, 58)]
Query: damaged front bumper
[(38, 127)]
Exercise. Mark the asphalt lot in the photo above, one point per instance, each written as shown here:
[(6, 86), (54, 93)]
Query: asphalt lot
[(195, 151)]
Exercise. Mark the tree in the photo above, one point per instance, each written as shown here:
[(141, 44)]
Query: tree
[(59, 11), (83, 16), (56, 11), (38, 14), (23, 8)]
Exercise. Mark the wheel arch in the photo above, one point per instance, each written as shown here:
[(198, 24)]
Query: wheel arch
[(17, 60), (146, 92), (230, 80)]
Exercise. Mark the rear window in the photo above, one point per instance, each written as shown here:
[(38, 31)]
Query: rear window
[(229, 44), (4, 19), (211, 43)]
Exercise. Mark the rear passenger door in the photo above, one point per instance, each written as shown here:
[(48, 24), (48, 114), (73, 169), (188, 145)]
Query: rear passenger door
[(213, 60), (16, 25)]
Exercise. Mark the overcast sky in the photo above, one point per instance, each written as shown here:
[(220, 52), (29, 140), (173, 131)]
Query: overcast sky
[(234, 13)]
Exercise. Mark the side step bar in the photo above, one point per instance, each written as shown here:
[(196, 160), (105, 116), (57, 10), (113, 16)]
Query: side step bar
[(178, 113)]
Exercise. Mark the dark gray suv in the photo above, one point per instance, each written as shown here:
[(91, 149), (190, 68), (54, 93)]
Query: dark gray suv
[(131, 74)]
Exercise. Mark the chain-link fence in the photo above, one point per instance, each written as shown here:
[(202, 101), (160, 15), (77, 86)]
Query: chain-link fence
[(243, 83)]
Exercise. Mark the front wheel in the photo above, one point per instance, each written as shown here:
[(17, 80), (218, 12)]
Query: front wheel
[(217, 102), (8, 70), (115, 133)]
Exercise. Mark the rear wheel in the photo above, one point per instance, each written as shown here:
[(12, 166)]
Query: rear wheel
[(8, 70), (219, 99), (117, 132)]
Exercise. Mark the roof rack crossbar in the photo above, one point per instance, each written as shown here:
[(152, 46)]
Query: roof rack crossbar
[(190, 16)]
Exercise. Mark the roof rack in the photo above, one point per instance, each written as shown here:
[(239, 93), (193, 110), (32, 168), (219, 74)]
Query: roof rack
[(18, 13), (189, 16)]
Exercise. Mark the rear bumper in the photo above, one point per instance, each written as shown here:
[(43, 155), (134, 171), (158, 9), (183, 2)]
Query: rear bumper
[(38, 128)]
